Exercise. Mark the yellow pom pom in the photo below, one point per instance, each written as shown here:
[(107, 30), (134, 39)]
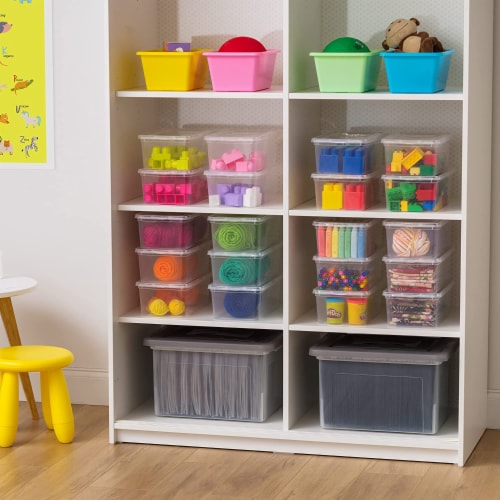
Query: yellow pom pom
[(176, 307), (157, 306)]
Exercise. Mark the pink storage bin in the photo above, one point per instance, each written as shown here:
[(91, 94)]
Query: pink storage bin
[(241, 71)]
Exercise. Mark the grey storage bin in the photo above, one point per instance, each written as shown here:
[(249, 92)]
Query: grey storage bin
[(217, 374), (387, 383)]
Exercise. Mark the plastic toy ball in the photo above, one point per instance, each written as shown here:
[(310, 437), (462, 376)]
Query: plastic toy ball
[(346, 44), (242, 44)]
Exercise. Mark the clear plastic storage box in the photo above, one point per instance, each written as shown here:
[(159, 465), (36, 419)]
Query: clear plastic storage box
[(416, 155), (172, 231), (244, 151), (346, 192), (238, 189), (247, 302), (389, 383), (175, 149), (418, 309), (428, 239), (348, 153), (348, 275), (347, 308), (246, 268), (242, 234), (418, 275), (346, 240), (173, 266), (405, 193), (174, 299), (173, 187), (217, 374)]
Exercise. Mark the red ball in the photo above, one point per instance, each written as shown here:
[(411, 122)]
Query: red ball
[(242, 44)]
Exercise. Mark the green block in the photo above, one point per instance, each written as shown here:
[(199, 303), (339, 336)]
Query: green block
[(394, 194), (415, 207), (427, 170), (408, 190), (395, 206)]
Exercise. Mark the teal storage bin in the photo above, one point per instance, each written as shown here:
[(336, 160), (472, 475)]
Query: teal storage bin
[(417, 72), (347, 72)]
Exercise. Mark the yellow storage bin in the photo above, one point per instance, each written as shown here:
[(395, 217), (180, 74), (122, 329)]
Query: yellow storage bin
[(174, 70)]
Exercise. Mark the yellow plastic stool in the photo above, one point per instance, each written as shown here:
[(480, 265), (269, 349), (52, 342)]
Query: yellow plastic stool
[(56, 404)]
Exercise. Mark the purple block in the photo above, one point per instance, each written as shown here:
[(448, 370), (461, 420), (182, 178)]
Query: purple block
[(233, 200), (178, 46), (222, 189)]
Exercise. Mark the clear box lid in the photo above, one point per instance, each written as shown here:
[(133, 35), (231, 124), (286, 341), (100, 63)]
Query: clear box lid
[(417, 140), (418, 296), (344, 262), (152, 172), (357, 224), (182, 252), (418, 260), (384, 349), (244, 219), (232, 175), (348, 177), (429, 225), (166, 218), (244, 289), (174, 135), (173, 286), (325, 293), (247, 255), (347, 138), (234, 341), (242, 135), (417, 178)]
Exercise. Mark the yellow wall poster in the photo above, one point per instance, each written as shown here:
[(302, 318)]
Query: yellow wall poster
[(26, 107)]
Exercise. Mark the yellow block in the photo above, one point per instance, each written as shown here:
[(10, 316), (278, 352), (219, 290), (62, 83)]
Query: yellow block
[(413, 157)]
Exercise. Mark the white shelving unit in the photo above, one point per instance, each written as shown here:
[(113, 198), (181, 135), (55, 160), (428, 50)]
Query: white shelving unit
[(298, 27)]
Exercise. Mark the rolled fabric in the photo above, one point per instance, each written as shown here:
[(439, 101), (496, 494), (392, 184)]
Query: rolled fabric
[(168, 268), (238, 271), (176, 236), (151, 236), (235, 237), (241, 305)]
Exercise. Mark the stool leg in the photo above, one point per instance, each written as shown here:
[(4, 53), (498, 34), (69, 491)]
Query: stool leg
[(44, 389), (60, 407), (9, 408)]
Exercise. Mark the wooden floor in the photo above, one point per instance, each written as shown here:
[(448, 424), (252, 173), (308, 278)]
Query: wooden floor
[(38, 467)]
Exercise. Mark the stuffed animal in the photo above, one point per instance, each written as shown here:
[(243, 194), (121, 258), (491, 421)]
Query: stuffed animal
[(402, 36)]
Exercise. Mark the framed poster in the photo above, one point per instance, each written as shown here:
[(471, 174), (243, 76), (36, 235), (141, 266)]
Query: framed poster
[(26, 84)]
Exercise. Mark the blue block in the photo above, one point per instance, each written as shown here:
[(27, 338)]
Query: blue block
[(330, 161), (353, 161)]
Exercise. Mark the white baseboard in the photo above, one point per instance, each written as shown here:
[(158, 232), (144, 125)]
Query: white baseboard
[(88, 387), (493, 421)]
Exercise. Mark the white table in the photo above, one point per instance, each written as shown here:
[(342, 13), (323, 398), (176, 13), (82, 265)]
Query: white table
[(10, 287)]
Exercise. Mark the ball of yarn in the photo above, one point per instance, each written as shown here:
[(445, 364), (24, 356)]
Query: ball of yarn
[(241, 305), (410, 242), (235, 237), (168, 268), (157, 307), (238, 271), (176, 307), (151, 236)]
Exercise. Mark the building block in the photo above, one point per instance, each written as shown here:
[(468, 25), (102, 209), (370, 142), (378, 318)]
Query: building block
[(214, 200), (427, 170), (395, 206), (233, 199), (426, 192), (397, 158), (245, 166), (412, 158), (355, 197), (164, 188), (232, 157), (415, 207), (403, 206), (408, 190), (217, 165), (330, 160), (332, 196), (354, 161), (148, 193), (394, 194), (258, 159), (252, 197), (430, 158), (428, 205), (414, 170)]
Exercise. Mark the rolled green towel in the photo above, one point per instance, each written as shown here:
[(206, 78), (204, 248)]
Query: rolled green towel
[(235, 237), (239, 271)]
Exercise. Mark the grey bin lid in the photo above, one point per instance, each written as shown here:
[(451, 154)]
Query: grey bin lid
[(384, 349), (216, 340)]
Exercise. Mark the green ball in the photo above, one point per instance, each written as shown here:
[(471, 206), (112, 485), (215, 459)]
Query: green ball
[(346, 44)]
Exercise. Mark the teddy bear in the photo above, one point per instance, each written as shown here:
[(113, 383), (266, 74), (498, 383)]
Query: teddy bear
[(402, 36)]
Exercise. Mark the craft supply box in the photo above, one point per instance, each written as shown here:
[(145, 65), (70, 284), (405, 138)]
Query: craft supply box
[(174, 70), (238, 189), (247, 302), (418, 309), (347, 72), (390, 384), (172, 231), (416, 155), (346, 239), (416, 194), (175, 149), (243, 150), (418, 275), (216, 374), (348, 274), (193, 295), (241, 71), (346, 192), (173, 266), (347, 308), (246, 268), (428, 239), (173, 187), (349, 154), (242, 234), (418, 72)]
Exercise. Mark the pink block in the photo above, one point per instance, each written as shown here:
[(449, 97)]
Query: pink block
[(183, 189), (232, 157), (217, 165), (245, 166), (165, 188), (258, 158)]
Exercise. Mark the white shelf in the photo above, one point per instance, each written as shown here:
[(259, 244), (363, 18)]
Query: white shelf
[(297, 106)]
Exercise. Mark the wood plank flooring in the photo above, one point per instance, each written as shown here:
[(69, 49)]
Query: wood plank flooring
[(90, 468)]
